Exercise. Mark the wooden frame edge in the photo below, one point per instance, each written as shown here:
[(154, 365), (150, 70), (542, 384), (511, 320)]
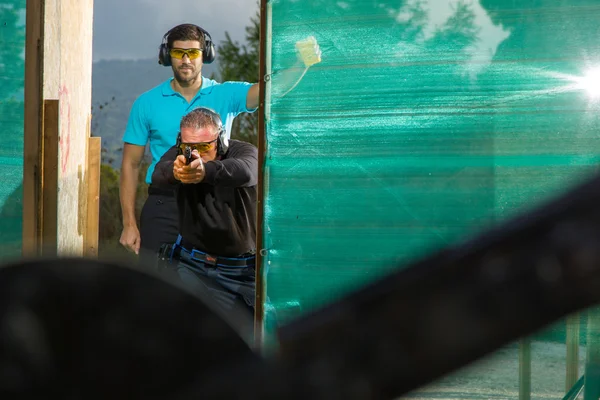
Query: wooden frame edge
[(32, 127), (260, 284)]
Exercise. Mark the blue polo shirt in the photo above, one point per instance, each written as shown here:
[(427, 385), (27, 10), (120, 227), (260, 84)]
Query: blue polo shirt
[(156, 114)]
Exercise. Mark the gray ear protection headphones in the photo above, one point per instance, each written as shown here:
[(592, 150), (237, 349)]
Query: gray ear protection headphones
[(208, 53), (222, 141)]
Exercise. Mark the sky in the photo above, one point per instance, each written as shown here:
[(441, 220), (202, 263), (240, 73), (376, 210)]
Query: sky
[(133, 29)]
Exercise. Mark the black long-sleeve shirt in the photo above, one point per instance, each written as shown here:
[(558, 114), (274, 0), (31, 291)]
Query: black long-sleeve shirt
[(217, 215)]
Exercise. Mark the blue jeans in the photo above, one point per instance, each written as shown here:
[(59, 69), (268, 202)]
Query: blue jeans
[(231, 289)]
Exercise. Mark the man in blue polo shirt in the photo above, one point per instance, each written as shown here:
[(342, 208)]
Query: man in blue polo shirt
[(155, 118)]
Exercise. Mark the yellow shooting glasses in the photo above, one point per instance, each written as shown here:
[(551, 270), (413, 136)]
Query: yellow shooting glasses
[(191, 53), (202, 147)]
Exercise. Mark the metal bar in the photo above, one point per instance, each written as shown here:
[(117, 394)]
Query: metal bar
[(572, 351), (525, 369), (575, 391)]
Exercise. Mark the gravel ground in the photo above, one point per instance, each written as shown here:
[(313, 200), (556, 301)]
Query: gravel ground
[(497, 376)]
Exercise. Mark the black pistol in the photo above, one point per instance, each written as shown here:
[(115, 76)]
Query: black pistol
[(188, 155)]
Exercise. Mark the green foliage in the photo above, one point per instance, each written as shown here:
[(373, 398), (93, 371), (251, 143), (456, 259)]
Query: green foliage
[(240, 63)]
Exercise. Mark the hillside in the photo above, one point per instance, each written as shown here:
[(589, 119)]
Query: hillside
[(115, 86)]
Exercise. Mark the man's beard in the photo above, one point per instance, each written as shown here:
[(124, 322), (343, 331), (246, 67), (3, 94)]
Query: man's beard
[(188, 78)]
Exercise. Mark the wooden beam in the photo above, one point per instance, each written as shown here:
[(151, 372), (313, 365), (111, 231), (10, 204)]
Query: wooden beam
[(49, 183), (34, 55), (74, 93), (259, 309), (572, 340), (525, 369), (93, 201)]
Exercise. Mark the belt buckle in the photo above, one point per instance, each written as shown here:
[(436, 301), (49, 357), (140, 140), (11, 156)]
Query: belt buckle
[(210, 259), (204, 257)]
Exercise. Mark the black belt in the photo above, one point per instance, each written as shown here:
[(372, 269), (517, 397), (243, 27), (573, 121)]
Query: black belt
[(161, 191), (247, 259)]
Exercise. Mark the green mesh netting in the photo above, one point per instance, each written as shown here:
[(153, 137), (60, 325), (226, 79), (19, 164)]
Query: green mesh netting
[(426, 122), (12, 70)]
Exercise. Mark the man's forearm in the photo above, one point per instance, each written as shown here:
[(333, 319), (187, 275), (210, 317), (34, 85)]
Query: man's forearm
[(128, 190), (232, 172), (163, 173)]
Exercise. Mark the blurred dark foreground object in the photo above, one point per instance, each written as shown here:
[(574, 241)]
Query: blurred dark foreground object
[(80, 329)]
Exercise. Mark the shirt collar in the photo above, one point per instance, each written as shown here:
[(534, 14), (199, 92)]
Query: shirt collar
[(167, 90)]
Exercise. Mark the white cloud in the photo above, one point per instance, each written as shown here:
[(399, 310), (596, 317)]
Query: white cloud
[(490, 36), (134, 28)]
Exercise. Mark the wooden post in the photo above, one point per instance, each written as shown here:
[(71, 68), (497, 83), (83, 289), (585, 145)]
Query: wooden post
[(572, 352), (49, 182), (259, 312), (93, 201), (74, 92), (525, 369), (34, 55)]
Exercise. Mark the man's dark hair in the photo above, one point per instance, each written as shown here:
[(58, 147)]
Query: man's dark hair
[(200, 118), (186, 32)]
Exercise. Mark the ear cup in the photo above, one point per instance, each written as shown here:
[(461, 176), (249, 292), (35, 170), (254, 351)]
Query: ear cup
[(178, 143), (164, 58), (208, 55), (223, 143)]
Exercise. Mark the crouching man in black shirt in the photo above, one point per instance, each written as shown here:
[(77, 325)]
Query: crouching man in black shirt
[(216, 199)]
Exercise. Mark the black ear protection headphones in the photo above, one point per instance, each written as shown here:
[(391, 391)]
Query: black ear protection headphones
[(208, 53), (222, 141)]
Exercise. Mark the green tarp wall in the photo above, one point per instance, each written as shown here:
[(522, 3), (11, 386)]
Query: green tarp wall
[(12, 70), (425, 123)]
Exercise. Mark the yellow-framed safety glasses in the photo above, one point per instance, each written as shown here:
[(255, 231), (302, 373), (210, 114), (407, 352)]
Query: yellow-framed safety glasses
[(201, 147), (191, 53)]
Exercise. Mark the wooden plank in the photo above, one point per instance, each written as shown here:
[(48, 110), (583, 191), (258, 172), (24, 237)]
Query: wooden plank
[(572, 351), (525, 369), (58, 66), (49, 181), (34, 38), (91, 234), (74, 93), (52, 49)]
